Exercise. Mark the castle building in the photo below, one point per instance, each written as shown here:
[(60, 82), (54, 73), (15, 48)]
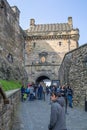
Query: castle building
[(45, 47)]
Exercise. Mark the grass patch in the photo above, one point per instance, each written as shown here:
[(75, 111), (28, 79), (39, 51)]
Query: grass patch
[(9, 85)]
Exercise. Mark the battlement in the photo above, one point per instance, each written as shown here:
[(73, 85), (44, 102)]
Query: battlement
[(16, 12), (8, 12)]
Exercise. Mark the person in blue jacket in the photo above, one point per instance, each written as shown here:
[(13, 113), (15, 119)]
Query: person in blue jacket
[(22, 92)]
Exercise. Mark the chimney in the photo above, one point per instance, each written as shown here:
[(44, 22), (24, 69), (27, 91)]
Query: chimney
[(32, 22), (70, 22)]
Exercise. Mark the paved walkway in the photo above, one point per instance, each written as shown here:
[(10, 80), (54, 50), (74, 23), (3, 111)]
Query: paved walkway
[(35, 115)]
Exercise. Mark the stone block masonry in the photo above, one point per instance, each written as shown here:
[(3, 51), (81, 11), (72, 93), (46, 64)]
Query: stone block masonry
[(11, 43), (46, 45), (73, 71), (7, 110)]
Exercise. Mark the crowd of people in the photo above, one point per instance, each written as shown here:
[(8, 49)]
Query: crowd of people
[(34, 91), (60, 98)]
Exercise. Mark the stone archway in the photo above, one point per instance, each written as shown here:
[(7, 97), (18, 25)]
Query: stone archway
[(42, 77)]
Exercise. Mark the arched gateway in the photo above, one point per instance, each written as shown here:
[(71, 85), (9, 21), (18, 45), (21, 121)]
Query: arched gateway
[(42, 77), (45, 47)]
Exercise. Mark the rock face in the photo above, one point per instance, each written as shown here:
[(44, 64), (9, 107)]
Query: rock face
[(46, 45), (11, 43), (73, 71)]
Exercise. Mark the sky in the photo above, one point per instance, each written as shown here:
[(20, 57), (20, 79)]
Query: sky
[(54, 11)]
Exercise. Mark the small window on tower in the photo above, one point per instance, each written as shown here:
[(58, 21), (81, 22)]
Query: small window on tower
[(34, 44), (59, 43), (10, 58)]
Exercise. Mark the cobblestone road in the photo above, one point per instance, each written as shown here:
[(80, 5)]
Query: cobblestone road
[(34, 115)]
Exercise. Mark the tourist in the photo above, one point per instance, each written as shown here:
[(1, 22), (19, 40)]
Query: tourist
[(25, 96), (22, 93), (63, 91), (61, 100), (70, 96), (57, 117), (40, 91), (31, 96)]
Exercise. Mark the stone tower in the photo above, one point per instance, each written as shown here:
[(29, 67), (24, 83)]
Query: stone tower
[(11, 43), (45, 47)]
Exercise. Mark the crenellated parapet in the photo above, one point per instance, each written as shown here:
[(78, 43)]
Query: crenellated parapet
[(10, 13)]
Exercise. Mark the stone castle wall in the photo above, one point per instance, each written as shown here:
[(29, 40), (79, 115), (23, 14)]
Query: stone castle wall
[(11, 42), (35, 63), (73, 71), (7, 111), (55, 50)]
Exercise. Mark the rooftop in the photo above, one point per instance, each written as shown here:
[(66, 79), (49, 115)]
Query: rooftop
[(58, 27)]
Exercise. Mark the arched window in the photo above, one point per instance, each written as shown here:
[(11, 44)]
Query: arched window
[(10, 58), (34, 44), (59, 43)]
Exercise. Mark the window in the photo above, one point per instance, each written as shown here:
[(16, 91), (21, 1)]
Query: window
[(59, 43), (10, 58), (3, 6), (34, 44)]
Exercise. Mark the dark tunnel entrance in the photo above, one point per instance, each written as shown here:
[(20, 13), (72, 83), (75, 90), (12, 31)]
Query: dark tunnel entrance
[(44, 79)]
